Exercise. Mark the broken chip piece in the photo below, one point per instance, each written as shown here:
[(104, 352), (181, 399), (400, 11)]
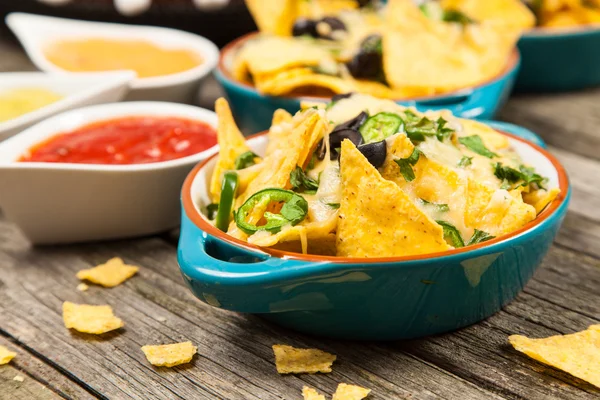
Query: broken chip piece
[(19, 378), (6, 355), (350, 392), (311, 394), (90, 319), (82, 287), (577, 353), (290, 360), (170, 355), (110, 274)]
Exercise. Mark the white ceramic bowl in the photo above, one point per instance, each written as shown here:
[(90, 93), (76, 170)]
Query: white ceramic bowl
[(77, 90), (63, 203), (35, 32)]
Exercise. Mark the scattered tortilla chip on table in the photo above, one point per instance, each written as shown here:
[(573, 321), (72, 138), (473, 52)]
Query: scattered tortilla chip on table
[(19, 378), (350, 392), (290, 360), (6, 355), (577, 353), (110, 274), (90, 319), (170, 355), (311, 394), (82, 287)]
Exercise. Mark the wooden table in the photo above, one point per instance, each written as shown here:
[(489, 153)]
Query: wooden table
[(235, 360)]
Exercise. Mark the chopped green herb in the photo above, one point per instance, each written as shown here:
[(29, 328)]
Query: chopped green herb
[(465, 161), (438, 206), (406, 164), (456, 16), (475, 144), (312, 162), (451, 234), (479, 236), (302, 182), (510, 176), (334, 205), (245, 160), (211, 211), (418, 129)]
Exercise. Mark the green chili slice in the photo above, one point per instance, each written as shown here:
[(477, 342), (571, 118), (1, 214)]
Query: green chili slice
[(380, 126), (229, 186), (245, 160), (293, 211)]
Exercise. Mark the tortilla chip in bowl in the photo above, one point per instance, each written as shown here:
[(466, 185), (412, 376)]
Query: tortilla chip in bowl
[(438, 232)]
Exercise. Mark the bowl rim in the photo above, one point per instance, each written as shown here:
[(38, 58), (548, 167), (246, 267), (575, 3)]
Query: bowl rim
[(513, 63), (191, 212), (571, 31), (110, 111), (209, 52)]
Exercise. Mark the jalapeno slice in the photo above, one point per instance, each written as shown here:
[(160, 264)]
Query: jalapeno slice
[(381, 126), (229, 186), (292, 212)]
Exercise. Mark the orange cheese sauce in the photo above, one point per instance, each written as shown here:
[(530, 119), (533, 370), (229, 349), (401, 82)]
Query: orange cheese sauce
[(145, 58)]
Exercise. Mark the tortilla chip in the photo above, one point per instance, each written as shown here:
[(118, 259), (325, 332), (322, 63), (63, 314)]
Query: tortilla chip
[(290, 360), (315, 230), (170, 355), (350, 392), (280, 129), (513, 13), (110, 274), (577, 353), (539, 199), (311, 394), (231, 144), (286, 81), (376, 217), (6, 355), (492, 139), (443, 56), (273, 17), (90, 319), (270, 54)]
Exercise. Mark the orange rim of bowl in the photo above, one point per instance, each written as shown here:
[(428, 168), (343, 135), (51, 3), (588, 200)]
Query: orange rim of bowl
[(195, 216), (513, 60)]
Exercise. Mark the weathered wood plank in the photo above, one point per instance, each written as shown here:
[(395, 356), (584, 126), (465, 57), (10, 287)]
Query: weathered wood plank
[(28, 389), (45, 374), (569, 121)]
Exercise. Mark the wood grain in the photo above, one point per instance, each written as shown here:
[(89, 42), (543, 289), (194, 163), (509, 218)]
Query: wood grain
[(28, 389)]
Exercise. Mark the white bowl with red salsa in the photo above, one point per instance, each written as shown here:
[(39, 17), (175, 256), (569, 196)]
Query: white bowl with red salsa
[(103, 172)]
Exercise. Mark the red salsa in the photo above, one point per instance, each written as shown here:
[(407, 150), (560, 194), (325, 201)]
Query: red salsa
[(130, 140)]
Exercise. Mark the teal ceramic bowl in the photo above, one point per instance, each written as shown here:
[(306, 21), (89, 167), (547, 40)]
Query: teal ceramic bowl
[(555, 60), (254, 111), (366, 299)]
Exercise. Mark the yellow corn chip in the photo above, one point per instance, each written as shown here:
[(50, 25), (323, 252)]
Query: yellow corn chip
[(286, 81), (577, 353), (315, 230), (274, 17), (231, 144), (279, 131), (376, 217), (513, 13), (539, 199), (290, 360), (311, 394), (449, 56), (90, 319), (491, 138), (6, 355), (110, 274), (350, 392), (170, 355)]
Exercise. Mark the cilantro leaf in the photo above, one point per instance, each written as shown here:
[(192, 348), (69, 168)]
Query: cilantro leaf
[(510, 176), (475, 144), (438, 206), (300, 181), (406, 164), (465, 161), (335, 206), (418, 128), (295, 209), (479, 236), (452, 234), (456, 16), (245, 160)]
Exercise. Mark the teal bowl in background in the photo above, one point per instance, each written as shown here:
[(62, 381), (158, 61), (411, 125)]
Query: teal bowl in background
[(365, 299), (253, 111), (554, 60)]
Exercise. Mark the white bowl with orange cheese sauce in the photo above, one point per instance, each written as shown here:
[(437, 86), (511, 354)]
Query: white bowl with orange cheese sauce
[(170, 64), (103, 172)]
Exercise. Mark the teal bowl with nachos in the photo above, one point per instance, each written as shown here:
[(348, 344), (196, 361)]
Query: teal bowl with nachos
[(386, 298), (254, 111)]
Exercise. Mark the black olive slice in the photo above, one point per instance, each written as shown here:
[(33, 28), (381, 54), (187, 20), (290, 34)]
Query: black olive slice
[(321, 150), (304, 26), (374, 152), (337, 137), (355, 123)]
